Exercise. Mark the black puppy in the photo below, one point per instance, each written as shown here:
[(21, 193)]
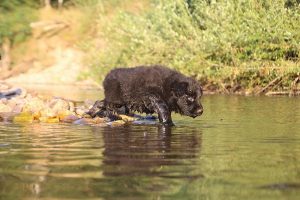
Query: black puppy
[(148, 90)]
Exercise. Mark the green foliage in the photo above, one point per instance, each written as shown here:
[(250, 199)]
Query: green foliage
[(15, 16), (217, 41), (193, 34)]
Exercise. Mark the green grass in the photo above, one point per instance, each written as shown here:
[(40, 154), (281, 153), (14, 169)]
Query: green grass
[(15, 17), (224, 44)]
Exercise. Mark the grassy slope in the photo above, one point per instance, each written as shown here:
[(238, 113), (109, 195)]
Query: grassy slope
[(230, 46)]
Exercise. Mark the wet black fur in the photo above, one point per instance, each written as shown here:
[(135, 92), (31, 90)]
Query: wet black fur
[(152, 89)]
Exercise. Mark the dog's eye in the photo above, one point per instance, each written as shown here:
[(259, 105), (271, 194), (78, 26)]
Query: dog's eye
[(191, 99)]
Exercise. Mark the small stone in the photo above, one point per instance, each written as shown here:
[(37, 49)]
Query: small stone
[(23, 94), (99, 120), (80, 111), (88, 103), (126, 118), (58, 105), (5, 108), (47, 112), (83, 121), (34, 105), (17, 108), (49, 119), (71, 106), (116, 123), (3, 100), (69, 118), (7, 117), (63, 113), (16, 105)]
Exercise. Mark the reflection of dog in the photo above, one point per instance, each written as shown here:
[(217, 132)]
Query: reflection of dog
[(135, 150), (149, 89)]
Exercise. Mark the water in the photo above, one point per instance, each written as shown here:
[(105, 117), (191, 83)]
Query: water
[(242, 148)]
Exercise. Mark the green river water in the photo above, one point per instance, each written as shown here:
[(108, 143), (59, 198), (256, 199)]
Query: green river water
[(241, 148)]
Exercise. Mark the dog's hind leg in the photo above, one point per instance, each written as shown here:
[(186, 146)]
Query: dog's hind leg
[(97, 109), (100, 109)]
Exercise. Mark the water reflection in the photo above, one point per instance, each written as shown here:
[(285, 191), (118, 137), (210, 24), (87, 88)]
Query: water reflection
[(146, 159), (132, 151), (131, 161)]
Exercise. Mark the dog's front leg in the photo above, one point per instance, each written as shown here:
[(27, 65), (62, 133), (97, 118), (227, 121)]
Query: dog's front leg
[(161, 108)]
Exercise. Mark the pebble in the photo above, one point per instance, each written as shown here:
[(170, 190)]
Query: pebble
[(69, 118)]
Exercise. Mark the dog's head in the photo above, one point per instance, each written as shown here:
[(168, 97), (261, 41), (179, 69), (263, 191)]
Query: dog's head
[(188, 93)]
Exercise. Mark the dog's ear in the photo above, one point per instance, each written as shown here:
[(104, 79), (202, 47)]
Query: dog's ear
[(179, 88)]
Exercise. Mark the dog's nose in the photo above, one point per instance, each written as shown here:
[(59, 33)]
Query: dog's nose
[(199, 111)]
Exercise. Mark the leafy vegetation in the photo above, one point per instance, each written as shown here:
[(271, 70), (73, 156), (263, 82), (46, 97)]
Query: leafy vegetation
[(15, 17), (225, 44)]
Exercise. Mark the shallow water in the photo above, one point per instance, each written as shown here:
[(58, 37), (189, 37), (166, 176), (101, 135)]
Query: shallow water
[(241, 148)]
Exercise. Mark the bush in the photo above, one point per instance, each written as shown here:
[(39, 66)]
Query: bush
[(194, 36)]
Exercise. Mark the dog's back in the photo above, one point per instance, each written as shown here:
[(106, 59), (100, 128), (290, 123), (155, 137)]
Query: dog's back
[(131, 85)]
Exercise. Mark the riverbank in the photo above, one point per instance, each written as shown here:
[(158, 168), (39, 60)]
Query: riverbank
[(257, 81)]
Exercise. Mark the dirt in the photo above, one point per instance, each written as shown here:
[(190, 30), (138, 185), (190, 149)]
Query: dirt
[(52, 55)]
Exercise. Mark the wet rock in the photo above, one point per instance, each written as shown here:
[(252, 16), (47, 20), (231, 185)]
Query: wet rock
[(71, 106), (24, 117), (126, 118), (88, 103), (116, 123), (90, 121), (7, 117), (69, 118), (84, 121), (98, 120), (3, 100), (17, 108), (58, 105), (16, 104), (34, 105), (63, 113), (45, 119), (81, 111), (10, 93), (48, 113)]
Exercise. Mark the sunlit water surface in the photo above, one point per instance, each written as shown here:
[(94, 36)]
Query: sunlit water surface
[(241, 148)]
